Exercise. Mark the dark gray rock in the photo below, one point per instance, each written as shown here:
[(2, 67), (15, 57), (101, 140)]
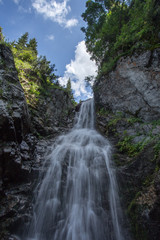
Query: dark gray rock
[(22, 150), (133, 87), (138, 175), (14, 117)]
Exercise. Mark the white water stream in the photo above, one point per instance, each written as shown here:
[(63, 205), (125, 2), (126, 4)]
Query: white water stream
[(78, 198)]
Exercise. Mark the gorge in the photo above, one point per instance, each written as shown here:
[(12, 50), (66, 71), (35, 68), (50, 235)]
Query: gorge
[(78, 196)]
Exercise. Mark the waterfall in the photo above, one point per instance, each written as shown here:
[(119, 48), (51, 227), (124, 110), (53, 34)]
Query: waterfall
[(78, 197)]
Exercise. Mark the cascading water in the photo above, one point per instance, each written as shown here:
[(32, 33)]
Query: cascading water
[(78, 199)]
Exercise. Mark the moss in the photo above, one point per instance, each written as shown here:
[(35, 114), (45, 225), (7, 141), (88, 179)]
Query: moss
[(157, 149), (115, 119), (133, 211), (148, 181), (1, 92), (157, 168), (9, 107), (133, 120), (126, 145), (38, 135), (2, 62), (102, 112)]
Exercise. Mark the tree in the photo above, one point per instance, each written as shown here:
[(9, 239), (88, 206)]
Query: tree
[(94, 16), (104, 21), (69, 88), (33, 45), (116, 27), (45, 69), (1, 35), (22, 41)]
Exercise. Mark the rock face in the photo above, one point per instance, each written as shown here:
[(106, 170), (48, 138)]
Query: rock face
[(128, 112), (23, 129), (53, 113), (136, 154), (133, 87), (14, 116)]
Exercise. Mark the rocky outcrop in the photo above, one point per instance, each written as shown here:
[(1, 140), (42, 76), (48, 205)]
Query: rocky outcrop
[(128, 112), (136, 154), (14, 117), (133, 87), (26, 134), (53, 113)]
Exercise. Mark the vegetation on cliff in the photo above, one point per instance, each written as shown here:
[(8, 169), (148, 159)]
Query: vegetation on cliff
[(36, 74), (137, 157), (119, 27), (49, 104)]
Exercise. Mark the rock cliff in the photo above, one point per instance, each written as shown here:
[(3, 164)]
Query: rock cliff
[(133, 87), (14, 117), (26, 134), (128, 110)]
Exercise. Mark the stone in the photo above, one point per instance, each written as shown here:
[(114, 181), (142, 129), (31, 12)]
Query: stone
[(26, 136), (133, 87)]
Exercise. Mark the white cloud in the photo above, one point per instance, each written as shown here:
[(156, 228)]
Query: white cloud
[(71, 22), (56, 11), (16, 1), (78, 69), (50, 37), (24, 10)]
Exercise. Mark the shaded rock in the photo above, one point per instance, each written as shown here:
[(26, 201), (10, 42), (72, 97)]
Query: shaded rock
[(14, 117), (23, 148), (137, 169)]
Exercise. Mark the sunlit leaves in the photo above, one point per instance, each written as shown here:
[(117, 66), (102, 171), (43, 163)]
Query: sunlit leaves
[(115, 27)]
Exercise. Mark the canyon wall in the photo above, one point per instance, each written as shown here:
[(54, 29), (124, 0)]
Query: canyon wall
[(128, 113)]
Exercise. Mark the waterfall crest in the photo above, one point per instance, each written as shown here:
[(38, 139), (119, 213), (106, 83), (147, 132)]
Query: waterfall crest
[(78, 198)]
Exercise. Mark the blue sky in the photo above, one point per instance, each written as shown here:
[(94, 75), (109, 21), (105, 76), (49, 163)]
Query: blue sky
[(56, 26)]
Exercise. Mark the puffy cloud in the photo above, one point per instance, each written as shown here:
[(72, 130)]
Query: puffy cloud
[(77, 70), (56, 11), (50, 37)]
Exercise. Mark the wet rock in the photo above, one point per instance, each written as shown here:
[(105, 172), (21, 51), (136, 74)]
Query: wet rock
[(138, 175)]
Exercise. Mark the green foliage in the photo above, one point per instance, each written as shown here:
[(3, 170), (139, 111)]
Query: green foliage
[(132, 149), (3, 39), (45, 70), (1, 92), (69, 91), (133, 211), (22, 41), (118, 27), (33, 45), (157, 149), (25, 55), (102, 112), (68, 88), (1, 36), (36, 74), (133, 120)]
